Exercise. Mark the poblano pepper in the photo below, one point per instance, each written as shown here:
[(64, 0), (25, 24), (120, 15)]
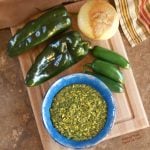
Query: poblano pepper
[(54, 21), (56, 57)]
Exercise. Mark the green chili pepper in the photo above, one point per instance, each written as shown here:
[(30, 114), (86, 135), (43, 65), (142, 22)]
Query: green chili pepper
[(114, 86), (107, 69), (54, 21), (59, 55), (110, 56)]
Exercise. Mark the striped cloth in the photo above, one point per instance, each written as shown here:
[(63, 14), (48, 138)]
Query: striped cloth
[(144, 13), (134, 19)]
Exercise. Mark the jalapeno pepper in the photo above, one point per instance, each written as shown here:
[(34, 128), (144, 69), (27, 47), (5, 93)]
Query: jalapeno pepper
[(54, 21), (56, 57), (114, 86), (107, 69), (110, 56)]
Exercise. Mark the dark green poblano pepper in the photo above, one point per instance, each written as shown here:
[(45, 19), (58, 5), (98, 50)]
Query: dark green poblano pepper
[(56, 57), (54, 21)]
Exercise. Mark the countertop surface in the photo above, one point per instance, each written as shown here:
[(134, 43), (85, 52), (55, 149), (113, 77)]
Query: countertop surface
[(17, 125)]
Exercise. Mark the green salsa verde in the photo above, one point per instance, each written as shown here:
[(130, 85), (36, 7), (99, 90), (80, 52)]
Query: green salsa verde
[(78, 112)]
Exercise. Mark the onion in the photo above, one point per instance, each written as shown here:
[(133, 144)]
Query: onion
[(98, 20)]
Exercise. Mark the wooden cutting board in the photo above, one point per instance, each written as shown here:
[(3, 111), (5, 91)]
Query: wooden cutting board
[(130, 112)]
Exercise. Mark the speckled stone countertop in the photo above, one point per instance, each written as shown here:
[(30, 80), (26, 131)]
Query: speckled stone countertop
[(18, 129)]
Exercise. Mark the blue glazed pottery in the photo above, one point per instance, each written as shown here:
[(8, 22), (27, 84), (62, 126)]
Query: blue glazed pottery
[(81, 79)]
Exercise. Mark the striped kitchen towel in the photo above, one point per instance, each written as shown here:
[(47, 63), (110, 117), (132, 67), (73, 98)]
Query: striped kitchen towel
[(144, 13), (134, 19)]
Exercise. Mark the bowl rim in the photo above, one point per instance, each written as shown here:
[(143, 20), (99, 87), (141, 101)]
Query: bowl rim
[(78, 78)]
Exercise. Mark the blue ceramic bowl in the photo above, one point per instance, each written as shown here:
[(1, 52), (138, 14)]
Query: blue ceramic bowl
[(81, 79)]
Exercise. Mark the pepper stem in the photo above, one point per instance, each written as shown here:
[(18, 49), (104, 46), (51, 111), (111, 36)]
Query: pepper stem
[(87, 67)]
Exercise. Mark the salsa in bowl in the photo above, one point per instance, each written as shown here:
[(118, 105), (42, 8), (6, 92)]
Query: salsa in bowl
[(78, 110)]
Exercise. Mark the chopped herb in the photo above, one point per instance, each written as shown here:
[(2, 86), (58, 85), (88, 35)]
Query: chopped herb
[(78, 112)]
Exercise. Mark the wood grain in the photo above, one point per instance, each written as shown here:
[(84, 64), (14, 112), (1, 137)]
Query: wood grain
[(130, 112)]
